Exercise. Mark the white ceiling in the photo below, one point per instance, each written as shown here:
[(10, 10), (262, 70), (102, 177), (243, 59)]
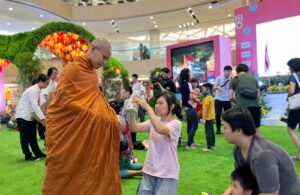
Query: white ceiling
[(24, 18)]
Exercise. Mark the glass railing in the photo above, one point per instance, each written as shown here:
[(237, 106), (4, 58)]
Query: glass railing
[(121, 55), (136, 54)]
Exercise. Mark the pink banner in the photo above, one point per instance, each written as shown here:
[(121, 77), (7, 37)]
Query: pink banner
[(246, 19)]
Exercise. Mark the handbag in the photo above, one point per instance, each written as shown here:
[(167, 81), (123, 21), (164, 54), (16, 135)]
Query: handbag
[(246, 92), (294, 101)]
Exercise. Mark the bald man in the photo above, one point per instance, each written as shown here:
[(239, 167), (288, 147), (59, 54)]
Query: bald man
[(82, 131)]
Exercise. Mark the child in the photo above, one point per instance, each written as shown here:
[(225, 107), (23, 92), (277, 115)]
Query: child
[(243, 182), (208, 116), (127, 169), (161, 168)]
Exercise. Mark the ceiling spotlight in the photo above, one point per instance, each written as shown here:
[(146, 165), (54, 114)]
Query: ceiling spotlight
[(83, 23), (192, 24), (155, 26), (179, 26), (10, 9), (183, 25), (154, 22), (210, 7), (151, 17), (229, 15), (189, 10), (8, 24), (41, 15), (188, 24)]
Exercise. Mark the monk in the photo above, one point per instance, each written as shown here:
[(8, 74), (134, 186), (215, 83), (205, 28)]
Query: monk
[(82, 137)]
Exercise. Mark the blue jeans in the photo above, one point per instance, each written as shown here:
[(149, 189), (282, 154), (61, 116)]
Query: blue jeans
[(210, 134), (192, 124)]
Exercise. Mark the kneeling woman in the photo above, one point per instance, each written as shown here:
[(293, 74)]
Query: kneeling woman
[(161, 168)]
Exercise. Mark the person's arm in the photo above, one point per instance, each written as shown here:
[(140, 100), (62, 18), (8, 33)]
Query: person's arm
[(33, 101), (161, 87), (205, 110), (231, 90), (266, 172), (158, 127), (292, 87), (137, 128), (217, 85)]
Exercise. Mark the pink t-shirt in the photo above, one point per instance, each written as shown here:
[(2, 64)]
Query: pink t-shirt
[(162, 160)]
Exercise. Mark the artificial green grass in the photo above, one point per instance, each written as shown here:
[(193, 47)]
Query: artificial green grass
[(199, 171)]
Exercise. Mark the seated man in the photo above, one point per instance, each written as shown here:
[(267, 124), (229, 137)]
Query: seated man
[(270, 164)]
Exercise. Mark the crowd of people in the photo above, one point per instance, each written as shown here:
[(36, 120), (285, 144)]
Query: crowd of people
[(90, 142)]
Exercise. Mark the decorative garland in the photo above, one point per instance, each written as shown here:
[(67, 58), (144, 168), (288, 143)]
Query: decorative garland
[(64, 39)]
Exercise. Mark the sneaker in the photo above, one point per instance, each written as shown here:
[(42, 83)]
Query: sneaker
[(213, 147), (42, 155), (196, 145), (190, 148), (207, 149), (32, 159)]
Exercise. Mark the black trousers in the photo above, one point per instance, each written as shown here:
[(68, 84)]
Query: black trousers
[(210, 134), (41, 130), (219, 106), (28, 137)]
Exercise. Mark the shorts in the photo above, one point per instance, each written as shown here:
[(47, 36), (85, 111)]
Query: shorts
[(256, 114), (293, 119), (158, 186)]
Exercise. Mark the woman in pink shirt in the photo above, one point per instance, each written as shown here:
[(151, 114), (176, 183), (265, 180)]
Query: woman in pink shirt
[(161, 168)]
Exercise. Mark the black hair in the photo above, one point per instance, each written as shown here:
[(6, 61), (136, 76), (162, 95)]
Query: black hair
[(242, 68), (294, 64), (116, 105), (208, 86), (135, 75), (171, 99), (240, 118), (33, 82), (227, 67), (50, 71), (193, 80), (246, 179), (184, 76), (42, 77), (128, 89), (165, 70)]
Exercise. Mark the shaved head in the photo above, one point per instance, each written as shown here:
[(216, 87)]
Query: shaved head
[(101, 44), (99, 52)]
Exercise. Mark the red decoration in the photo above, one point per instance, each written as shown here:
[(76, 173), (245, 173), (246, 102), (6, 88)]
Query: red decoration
[(66, 45)]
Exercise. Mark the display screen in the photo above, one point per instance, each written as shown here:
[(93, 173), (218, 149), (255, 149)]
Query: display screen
[(199, 58)]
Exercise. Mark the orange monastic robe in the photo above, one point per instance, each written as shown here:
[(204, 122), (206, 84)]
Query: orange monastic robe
[(82, 136)]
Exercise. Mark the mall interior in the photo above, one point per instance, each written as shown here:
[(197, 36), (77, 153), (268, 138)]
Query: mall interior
[(146, 36)]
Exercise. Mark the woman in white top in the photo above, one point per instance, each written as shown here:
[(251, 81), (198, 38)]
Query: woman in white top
[(161, 168)]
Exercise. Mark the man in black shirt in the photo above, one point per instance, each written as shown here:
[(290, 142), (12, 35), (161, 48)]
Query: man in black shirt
[(168, 84)]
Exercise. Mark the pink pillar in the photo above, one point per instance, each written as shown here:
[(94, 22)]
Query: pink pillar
[(2, 94)]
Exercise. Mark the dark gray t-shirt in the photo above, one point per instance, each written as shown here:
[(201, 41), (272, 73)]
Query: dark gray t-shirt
[(244, 80), (271, 166)]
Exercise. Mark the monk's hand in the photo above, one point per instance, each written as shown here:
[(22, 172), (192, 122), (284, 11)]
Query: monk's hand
[(140, 101)]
